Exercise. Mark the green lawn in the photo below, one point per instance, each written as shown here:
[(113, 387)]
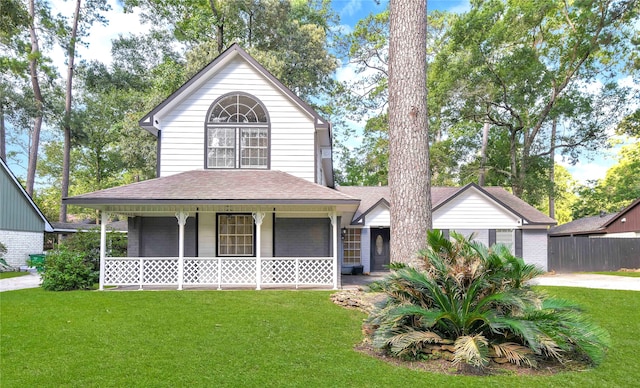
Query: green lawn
[(245, 338), (7, 275), (620, 273)]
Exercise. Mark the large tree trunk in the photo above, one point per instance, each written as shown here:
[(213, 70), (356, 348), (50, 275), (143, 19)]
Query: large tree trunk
[(483, 154), (516, 186), (66, 159), (39, 101), (218, 13), (409, 176)]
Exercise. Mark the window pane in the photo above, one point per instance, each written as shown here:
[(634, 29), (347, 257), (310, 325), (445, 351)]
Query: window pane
[(237, 238), (221, 147), (352, 247), (254, 146), (222, 143), (506, 237)]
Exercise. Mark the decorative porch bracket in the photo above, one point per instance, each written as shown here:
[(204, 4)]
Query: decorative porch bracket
[(258, 217), (103, 247), (182, 220), (334, 248)]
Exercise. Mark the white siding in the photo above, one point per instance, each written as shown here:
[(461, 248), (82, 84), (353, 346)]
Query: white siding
[(365, 249), (472, 210), (378, 216), (534, 247), (20, 245), (206, 235), (183, 129)]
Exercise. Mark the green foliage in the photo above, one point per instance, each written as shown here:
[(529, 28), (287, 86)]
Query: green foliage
[(3, 250), (617, 190), (564, 186), (477, 299), (87, 244), (368, 165), (517, 65), (65, 270)]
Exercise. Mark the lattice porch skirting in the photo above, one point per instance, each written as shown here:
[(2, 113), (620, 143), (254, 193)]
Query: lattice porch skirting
[(220, 272)]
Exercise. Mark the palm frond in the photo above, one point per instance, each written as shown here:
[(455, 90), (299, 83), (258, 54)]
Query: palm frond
[(472, 350), (550, 348), (411, 341), (526, 330), (514, 353)]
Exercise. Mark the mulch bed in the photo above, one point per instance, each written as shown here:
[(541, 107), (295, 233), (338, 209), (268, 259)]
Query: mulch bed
[(364, 301)]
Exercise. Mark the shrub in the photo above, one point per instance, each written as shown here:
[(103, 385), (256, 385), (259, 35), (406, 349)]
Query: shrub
[(88, 244), (65, 270), (475, 302)]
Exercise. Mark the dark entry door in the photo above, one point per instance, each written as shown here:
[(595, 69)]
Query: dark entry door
[(379, 249)]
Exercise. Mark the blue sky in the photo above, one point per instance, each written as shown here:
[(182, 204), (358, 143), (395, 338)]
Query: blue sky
[(350, 12)]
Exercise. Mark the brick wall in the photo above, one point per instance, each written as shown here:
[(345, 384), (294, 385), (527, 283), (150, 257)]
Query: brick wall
[(20, 245), (534, 247)]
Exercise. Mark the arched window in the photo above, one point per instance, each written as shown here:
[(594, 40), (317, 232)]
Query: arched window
[(237, 133)]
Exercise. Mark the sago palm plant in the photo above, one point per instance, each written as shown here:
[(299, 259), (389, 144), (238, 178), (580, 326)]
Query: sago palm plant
[(475, 301)]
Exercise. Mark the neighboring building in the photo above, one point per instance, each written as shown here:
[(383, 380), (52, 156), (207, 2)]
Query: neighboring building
[(606, 242), (624, 224), (22, 224), (245, 193), (491, 214)]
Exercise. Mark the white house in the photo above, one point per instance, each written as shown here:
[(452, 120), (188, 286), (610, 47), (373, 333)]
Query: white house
[(491, 214), (245, 192), (22, 224)]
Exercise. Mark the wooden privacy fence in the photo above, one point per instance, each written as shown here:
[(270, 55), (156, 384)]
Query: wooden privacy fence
[(581, 253)]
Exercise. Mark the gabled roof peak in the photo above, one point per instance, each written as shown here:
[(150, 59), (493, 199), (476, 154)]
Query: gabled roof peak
[(151, 123), (47, 225)]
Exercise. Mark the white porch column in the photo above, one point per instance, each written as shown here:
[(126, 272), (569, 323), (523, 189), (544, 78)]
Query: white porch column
[(334, 240), (258, 217), (182, 220), (103, 246)]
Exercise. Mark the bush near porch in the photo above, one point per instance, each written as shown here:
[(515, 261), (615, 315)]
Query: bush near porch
[(247, 338)]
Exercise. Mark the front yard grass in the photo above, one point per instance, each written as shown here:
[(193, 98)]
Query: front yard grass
[(620, 273), (13, 274), (247, 338)]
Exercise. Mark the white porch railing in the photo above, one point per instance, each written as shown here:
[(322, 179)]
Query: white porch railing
[(220, 271)]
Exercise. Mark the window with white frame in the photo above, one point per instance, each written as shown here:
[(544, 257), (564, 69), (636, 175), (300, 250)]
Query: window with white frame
[(237, 133), (235, 235), (351, 246), (506, 237)]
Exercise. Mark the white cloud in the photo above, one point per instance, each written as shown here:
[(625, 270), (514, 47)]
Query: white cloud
[(351, 8), (583, 172)]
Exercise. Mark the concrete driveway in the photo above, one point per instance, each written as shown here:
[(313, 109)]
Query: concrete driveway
[(585, 280), (607, 282), (27, 281)]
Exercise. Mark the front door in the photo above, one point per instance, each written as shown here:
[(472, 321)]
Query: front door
[(379, 249)]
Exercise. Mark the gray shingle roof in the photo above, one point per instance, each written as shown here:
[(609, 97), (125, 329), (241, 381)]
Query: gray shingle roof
[(218, 186), (61, 227), (371, 195), (593, 224)]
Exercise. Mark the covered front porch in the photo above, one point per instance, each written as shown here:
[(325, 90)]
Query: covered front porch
[(224, 228), (259, 266)]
